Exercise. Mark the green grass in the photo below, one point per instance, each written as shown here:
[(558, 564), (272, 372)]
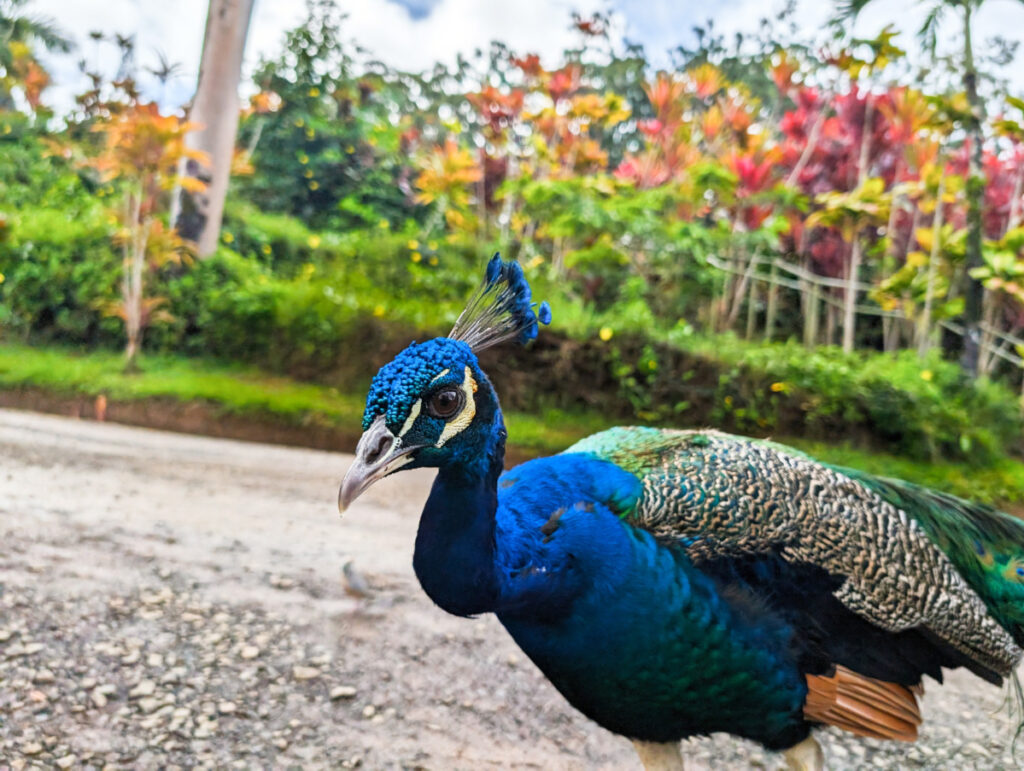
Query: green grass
[(246, 391), (240, 390)]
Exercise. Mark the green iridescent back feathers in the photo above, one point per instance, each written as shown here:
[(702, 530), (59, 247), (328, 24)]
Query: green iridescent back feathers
[(911, 557)]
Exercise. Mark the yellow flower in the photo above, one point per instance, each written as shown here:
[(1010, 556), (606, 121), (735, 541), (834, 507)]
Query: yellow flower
[(314, 92), (413, 244), (433, 260), (228, 238), (415, 256), (777, 387), (299, 123), (926, 375), (308, 174), (314, 185), (2, 278), (605, 333), (349, 149), (432, 245), (7, 128), (310, 133), (383, 224), (303, 159), (728, 401), (313, 241), (267, 249), (378, 311)]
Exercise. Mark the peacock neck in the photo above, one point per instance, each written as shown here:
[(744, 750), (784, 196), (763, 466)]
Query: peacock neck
[(454, 556)]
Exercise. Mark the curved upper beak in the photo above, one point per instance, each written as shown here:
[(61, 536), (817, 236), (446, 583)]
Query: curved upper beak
[(378, 453)]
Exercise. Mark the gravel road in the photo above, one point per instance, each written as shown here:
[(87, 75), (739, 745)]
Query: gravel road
[(170, 600)]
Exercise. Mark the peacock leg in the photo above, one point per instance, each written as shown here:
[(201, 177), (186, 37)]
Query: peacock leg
[(658, 756), (805, 756)]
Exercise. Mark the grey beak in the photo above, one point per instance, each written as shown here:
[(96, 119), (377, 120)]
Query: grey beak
[(378, 453)]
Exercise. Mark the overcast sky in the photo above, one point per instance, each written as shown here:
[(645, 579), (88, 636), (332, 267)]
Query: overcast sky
[(413, 34)]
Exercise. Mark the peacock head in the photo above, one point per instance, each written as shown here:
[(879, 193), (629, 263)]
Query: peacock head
[(432, 405)]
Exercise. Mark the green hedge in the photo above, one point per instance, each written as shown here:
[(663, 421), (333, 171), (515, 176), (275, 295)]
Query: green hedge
[(333, 307)]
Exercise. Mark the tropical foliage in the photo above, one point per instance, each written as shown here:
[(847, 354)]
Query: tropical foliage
[(771, 189)]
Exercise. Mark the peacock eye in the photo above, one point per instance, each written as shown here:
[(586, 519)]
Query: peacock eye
[(445, 402)]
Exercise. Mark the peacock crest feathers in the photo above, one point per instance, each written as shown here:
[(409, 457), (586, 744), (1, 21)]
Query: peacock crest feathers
[(500, 309)]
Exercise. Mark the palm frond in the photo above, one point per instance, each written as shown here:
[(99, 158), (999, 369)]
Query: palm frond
[(928, 34), (849, 10)]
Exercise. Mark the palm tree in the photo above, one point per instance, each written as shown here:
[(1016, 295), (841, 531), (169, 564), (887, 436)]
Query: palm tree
[(215, 109), (17, 27), (973, 291), (31, 30)]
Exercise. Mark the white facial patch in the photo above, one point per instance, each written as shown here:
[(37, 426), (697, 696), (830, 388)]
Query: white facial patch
[(413, 414), (439, 375), (465, 417)]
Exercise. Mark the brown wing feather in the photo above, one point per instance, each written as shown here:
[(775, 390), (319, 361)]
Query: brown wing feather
[(863, 706)]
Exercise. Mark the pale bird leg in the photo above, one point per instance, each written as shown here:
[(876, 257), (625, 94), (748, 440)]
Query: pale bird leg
[(805, 756), (659, 756)]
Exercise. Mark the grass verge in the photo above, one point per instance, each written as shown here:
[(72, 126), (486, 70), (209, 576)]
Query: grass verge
[(253, 394)]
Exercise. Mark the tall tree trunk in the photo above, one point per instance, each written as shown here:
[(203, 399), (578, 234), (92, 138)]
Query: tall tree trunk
[(215, 109), (975, 192), (850, 302), (133, 277), (850, 307), (773, 304), (1018, 190), (924, 327), (751, 311)]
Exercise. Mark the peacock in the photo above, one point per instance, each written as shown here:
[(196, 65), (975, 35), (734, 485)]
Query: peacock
[(677, 583)]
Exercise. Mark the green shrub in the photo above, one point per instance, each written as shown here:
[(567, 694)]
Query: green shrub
[(60, 274)]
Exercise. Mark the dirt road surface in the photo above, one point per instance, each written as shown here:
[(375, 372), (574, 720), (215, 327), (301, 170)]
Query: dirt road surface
[(171, 600)]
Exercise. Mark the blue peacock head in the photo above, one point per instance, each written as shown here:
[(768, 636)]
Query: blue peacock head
[(432, 405)]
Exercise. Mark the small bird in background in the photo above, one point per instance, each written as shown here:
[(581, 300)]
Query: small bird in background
[(354, 582), (679, 583)]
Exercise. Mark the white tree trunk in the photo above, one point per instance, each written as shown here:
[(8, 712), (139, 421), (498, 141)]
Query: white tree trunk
[(925, 321), (215, 109)]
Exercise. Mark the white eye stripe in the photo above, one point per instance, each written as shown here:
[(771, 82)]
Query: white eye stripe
[(413, 414), (440, 375), (465, 417)]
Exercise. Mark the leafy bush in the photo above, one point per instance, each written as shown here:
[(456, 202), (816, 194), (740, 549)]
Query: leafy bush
[(334, 306), (60, 271)]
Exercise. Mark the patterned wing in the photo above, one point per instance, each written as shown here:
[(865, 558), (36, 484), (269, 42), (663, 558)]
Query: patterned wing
[(721, 495)]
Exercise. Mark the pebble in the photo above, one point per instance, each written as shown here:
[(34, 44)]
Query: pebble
[(144, 688), (66, 762), (227, 708), (305, 673), (149, 704), (43, 676), (343, 692), (974, 748)]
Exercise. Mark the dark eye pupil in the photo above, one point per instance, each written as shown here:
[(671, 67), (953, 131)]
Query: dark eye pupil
[(445, 402)]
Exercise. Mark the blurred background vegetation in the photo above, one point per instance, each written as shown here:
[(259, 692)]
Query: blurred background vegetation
[(773, 236)]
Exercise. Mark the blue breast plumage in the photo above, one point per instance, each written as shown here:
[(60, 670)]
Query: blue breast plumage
[(624, 626)]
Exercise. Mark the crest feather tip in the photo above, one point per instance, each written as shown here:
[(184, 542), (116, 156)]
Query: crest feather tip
[(501, 309)]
